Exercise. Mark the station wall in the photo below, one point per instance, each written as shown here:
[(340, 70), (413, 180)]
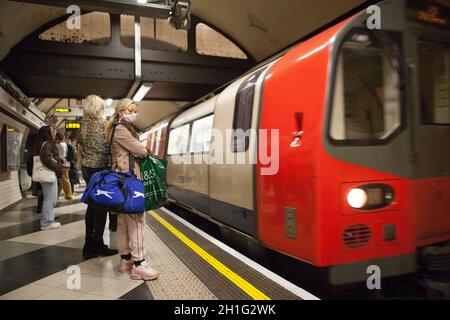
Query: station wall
[(11, 162)]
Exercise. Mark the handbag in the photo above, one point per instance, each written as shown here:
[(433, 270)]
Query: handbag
[(153, 173), (40, 172), (114, 191)]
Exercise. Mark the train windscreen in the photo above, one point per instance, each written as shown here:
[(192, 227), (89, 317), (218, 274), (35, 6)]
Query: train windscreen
[(367, 99)]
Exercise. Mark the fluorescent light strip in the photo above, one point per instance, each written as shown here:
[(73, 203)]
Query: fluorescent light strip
[(142, 92)]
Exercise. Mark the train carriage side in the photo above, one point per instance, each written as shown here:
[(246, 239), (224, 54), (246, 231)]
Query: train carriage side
[(187, 155), (210, 169), (157, 137)]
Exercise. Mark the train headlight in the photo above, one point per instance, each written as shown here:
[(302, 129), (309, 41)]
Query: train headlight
[(370, 196), (357, 198)]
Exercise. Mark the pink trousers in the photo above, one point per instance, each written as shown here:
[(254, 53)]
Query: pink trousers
[(130, 235)]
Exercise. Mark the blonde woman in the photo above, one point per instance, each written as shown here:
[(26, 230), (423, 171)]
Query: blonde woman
[(130, 227), (94, 158)]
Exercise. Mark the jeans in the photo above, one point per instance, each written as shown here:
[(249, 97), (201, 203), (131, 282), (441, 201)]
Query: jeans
[(50, 193), (95, 219)]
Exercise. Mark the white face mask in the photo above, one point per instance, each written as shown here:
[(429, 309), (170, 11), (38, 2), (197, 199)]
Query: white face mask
[(130, 117)]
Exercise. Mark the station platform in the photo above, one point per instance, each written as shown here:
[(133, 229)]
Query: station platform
[(38, 265)]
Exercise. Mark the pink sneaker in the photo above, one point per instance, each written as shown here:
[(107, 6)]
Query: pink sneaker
[(143, 272), (125, 265)]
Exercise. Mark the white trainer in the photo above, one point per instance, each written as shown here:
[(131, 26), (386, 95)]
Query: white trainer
[(54, 225), (143, 272), (125, 265)]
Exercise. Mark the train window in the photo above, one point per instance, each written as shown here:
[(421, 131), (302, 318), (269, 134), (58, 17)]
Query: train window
[(434, 80), (201, 135), (211, 43), (367, 99), (178, 140), (158, 141), (156, 34), (243, 113), (95, 29), (152, 142)]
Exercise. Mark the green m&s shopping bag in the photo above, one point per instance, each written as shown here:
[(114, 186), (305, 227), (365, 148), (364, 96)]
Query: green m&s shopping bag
[(153, 175)]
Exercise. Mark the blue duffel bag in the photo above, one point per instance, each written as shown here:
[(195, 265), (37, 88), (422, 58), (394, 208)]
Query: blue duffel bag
[(115, 191)]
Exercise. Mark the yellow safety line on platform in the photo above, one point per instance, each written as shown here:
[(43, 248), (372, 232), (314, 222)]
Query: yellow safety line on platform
[(224, 270)]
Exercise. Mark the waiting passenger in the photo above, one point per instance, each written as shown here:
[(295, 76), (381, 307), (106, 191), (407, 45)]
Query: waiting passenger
[(63, 182), (130, 227), (94, 157), (45, 147), (73, 160)]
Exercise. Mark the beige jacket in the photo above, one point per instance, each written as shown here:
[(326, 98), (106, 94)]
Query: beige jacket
[(124, 143)]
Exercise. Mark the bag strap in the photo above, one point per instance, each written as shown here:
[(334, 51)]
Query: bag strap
[(131, 162), (131, 159), (42, 147)]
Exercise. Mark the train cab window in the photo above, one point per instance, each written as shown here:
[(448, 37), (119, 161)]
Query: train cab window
[(434, 82), (178, 140), (367, 99), (243, 112), (201, 135)]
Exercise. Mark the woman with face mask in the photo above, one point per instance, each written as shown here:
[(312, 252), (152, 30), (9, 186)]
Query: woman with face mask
[(126, 150)]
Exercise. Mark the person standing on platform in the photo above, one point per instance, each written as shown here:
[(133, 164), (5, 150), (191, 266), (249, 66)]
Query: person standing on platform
[(73, 160), (45, 147), (126, 150), (63, 182), (94, 157)]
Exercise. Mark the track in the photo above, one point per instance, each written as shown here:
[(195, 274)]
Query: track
[(418, 286)]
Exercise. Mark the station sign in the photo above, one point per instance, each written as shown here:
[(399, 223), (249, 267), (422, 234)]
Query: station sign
[(73, 125), (63, 110)]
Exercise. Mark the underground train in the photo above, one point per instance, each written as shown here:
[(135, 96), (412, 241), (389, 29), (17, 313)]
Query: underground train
[(339, 150)]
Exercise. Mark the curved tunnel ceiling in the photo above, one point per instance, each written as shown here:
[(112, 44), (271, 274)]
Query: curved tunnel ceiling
[(260, 27)]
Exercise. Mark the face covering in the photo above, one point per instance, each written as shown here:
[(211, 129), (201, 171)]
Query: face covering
[(130, 117)]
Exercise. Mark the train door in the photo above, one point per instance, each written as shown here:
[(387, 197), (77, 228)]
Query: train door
[(233, 153), (187, 155), (428, 48)]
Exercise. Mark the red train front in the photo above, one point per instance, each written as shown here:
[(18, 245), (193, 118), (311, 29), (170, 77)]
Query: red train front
[(362, 174)]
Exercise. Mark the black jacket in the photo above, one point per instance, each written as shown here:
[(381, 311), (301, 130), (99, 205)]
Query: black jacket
[(51, 159)]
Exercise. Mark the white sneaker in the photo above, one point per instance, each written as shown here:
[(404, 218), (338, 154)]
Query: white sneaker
[(54, 225), (143, 272)]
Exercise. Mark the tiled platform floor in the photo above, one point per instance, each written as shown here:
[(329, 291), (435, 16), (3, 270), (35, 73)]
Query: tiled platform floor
[(48, 265), (34, 264)]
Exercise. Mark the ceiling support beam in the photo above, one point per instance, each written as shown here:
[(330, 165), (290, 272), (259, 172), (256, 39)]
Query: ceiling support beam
[(59, 69), (130, 7), (137, 58)]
